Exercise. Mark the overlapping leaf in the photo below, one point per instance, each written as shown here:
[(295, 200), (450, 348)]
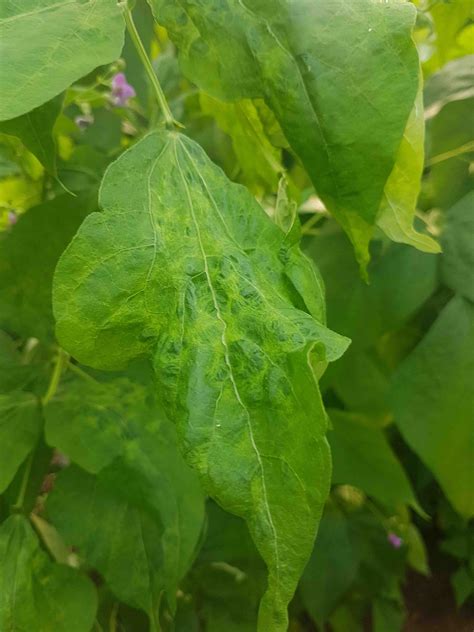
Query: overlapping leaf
[(433, 402), (113, 431), (29, 252), (362, 457), (457, 264), (35, 593), (46, 45), (35, 130), (185, 267), (20, 427), (341, 78)]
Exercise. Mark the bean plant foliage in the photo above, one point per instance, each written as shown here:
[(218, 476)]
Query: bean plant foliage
[(236, 256)]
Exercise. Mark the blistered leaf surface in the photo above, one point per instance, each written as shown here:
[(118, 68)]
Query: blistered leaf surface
[(340, 76), (186, 267)]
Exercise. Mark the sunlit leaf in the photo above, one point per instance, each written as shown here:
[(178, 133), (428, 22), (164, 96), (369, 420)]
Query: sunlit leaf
[(186, 268), (47, 45)]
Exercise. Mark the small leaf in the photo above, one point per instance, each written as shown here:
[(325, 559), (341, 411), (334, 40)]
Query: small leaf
[(35, 130), (76, 37), (35, 593), (13, 373), (20, 427), (398, 207), (186, 268), (433, 400)]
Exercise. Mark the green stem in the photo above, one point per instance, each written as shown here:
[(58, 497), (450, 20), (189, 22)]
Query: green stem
[(160, 95), (85, 376), (18, 506), (61, 361)]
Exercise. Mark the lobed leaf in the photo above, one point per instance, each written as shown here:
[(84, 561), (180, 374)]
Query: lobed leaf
[(186, 268), (340, 77)]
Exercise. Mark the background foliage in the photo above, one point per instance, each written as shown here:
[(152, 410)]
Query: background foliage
[(322, 112)]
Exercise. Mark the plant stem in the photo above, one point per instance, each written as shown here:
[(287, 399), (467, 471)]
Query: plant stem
[(18, 506), (85, 376), (61, 361), (160, 95)]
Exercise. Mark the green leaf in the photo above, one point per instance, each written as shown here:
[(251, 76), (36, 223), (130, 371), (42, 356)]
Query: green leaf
[(463, 585), (362, 457), (457, 263), (112, 429), (259, 161), (35, 593), (340, 77), (398, 207), (76, 37), (35, 130), (451, 152), (332, 568), (186, 268), (433, 402), (13, 374), (120, 539), (454, 82), (229, 576), (28, 255), (402, 279), (388, 615), (20, 427)]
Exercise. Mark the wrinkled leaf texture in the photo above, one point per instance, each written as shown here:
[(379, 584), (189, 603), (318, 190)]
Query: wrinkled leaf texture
[(185, 267), (341, 78)]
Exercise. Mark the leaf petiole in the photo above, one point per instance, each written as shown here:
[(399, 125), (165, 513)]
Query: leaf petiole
[(170, 121)]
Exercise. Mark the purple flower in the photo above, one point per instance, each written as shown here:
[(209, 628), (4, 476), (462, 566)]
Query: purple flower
[(121, 90), (395, 540), (12, 218)]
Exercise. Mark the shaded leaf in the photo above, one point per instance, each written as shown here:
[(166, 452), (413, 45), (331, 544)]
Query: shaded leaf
[(35, 130), (112, 429), (457, 263), (20, 427), (28, 255), (340, 77), (13, 374), (120, 539), (332, 568), (433, 402), (76, 37), (215, 312), (35, 593), (454, 82), (362, 457)]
